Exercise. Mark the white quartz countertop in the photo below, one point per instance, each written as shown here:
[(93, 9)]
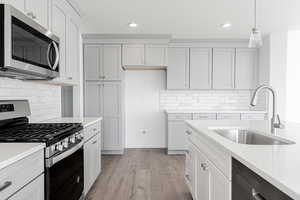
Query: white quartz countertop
[(85, 121), (213, 111), (278, 164), (13, 152)]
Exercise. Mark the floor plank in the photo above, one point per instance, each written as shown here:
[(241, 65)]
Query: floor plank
[(141, 174)]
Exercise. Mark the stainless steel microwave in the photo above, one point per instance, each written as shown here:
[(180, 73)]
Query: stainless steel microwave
[(27, 50)]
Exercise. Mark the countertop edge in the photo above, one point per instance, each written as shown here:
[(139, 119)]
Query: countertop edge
[(260, 172), (21, 156), (214, 111)]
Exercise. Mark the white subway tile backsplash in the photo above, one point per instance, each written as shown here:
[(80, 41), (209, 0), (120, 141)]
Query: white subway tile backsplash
[(206, 100), (45, 100)]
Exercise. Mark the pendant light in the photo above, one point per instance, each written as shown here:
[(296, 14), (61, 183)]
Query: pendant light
[(255, 37)]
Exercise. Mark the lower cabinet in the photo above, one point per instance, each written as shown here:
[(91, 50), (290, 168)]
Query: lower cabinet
[(92, 161), (205, 180), (32, 191)]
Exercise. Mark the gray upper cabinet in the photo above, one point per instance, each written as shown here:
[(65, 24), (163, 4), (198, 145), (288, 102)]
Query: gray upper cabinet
[(102, 62), (178, 68), (155, 55), (246, 68), (200, 68), (92, 60), (223, 68), (133, 55)]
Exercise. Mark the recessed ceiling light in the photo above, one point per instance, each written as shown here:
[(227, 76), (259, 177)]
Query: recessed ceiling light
[(133, 25), (226, 25)]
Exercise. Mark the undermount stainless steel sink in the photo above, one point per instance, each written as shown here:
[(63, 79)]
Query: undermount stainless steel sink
[(243, 136)]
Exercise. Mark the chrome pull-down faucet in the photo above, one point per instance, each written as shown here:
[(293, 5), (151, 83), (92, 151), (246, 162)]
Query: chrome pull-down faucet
[(275, 120)]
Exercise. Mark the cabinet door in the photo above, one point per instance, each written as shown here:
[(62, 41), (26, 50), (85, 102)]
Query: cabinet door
[(93, 101), (223, 68), (59, 24), (111, 62), (92, 159), (155, 55), (33, 191), (19, 4), (177, 138), (73, 32), (38, 10), (92, 61), (112, 135), (200, 68), (178, 68), (202, 178), (219, 185), (246, 68), (133, 55)]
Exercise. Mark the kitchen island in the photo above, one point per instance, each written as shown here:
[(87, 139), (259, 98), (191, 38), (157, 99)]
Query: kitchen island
[(277, 164)]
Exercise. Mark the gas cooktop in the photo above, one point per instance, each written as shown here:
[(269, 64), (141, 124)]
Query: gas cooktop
[(45, 132)]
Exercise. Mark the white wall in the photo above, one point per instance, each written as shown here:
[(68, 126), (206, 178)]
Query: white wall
[(45, 100), (142, 109), (278, 69)]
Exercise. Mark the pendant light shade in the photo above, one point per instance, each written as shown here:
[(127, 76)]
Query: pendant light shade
[(255, 40)]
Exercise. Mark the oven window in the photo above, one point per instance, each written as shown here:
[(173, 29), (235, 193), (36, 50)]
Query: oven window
[(30, 46), (64, 180)]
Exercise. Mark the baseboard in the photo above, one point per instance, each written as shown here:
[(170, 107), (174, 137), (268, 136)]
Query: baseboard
[(176, 152), (112, 152)]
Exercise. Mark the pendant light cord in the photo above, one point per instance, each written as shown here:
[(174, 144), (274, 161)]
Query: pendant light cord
[(255, 21)]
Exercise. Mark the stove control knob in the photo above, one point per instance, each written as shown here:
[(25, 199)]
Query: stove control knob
[(59, 147), (65, 144), (73, 139)]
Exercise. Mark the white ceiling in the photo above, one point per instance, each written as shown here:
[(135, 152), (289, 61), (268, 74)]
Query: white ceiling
[(188, 18)]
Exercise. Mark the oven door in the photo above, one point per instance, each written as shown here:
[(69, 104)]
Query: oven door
[(64, 178)]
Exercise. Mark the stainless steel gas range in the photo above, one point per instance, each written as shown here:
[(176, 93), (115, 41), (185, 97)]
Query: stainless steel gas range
[(63, 153)]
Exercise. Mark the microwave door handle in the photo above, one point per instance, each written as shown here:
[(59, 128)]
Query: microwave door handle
[(48, 54), (57, 56)]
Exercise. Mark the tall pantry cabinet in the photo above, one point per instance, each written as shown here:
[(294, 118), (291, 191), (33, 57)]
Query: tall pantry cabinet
[(104, 93)]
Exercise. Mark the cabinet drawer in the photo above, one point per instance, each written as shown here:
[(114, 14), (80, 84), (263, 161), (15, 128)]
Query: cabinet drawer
[(253, 116), (219, 156), (21, 173), (204, 116), (91, 131), (234, 116), (179, 117)]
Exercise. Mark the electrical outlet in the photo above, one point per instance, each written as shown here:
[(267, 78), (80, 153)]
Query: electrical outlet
[(143, 131)]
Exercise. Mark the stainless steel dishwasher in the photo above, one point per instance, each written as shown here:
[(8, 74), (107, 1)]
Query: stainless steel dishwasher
[(247, 185)]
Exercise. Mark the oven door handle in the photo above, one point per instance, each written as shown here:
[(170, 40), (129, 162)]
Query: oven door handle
[(55, 159), (48, 54)]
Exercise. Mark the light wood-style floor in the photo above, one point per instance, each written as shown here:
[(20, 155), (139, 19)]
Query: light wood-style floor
[(141, 174)]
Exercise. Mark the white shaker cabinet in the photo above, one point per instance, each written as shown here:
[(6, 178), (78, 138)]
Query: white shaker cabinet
[(105, 100), (202, 177), (178, 68), (246, 68), (223, 68), (19, 4), (155, 55), (73, 61), (66, 25), (59, 24), (133, 54), (38, 10), (92, 161), (102, 62), (200, 68), (32, 191)]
